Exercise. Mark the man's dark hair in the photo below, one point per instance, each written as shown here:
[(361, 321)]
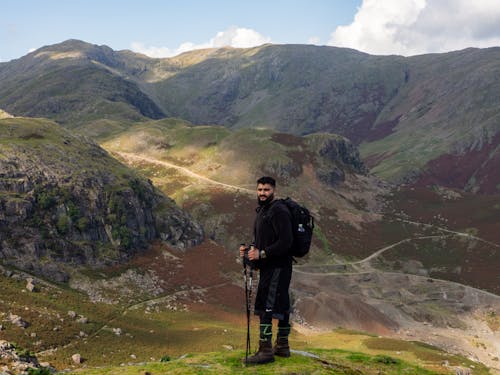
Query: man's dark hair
[(267, 180)]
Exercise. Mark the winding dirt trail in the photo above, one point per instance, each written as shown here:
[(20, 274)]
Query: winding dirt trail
[(466, 235), (134, 157)]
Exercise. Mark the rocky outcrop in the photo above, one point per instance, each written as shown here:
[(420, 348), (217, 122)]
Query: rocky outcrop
[(63, 199), (334, 156), (14, 360)]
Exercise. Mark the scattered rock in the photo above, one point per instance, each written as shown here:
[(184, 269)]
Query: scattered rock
[(30, 285), (77, 358), (72, 314), (133, 356), (48, 366), (462, 371), (15, 363), (82, 320), (117, 331), (18, 321), (228, 347)]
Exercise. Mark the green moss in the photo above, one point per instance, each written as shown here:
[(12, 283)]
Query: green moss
[(322, 238), (63, 224)]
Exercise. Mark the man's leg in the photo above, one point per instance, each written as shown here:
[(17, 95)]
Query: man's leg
[(265, 352), (282, 348), (266, 327)]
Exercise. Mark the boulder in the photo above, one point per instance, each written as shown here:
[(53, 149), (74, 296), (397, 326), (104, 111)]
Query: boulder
[(77, 358), (30, 285), (18, 321)]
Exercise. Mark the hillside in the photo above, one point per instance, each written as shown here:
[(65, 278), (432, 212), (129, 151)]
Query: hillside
[(72, 83), (211, 172), (167, 312), (363, 272), (65, 201), (208, 171), (415, 260), (412, 117)]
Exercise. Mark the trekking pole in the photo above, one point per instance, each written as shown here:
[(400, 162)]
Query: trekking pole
[(248, 278), (247, 304)]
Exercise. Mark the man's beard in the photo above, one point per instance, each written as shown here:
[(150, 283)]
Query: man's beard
[(267, 201)]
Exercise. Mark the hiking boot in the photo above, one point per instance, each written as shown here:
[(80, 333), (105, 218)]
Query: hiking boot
[(264, 354), (281, 347)]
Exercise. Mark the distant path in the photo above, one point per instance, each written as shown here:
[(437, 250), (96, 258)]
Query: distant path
[(384, 249), (366, 261), (371, 256), (129, 157), (467, 235)]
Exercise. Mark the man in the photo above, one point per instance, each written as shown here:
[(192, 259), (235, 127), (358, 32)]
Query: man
[(271, 255)]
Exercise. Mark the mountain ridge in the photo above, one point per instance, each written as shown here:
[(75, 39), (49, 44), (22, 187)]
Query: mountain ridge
[(403, 112)]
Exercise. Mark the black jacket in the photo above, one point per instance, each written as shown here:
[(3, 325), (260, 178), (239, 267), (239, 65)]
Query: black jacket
[(273, 233)]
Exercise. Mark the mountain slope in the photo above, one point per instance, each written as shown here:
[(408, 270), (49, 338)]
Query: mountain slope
[(211, 172), (73, 83), (449, 109), (405, 112), (186, 330), (290, 88), (63, 200), (410, 115)]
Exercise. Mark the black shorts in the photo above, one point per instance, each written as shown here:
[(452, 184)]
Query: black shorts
[(273, 291)]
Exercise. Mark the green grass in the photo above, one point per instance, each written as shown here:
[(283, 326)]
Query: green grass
[(212, 151), (185, 342), (323, 362)]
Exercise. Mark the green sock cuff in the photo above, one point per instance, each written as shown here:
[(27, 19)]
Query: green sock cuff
[(266, 331)]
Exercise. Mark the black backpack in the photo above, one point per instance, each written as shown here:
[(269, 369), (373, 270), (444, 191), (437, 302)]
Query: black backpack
[(302, 227)]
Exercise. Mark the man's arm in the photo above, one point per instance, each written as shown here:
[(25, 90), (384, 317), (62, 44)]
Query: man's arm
[(282, 225)]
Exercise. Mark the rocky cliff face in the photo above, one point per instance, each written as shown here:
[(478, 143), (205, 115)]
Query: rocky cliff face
[(63, 199), (335, 155)]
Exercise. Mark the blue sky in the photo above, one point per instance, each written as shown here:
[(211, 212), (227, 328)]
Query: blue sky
[(28, 24), (162, 28)]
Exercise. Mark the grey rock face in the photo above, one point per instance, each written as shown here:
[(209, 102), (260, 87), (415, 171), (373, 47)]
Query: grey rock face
[(335, 156), (68, 202)]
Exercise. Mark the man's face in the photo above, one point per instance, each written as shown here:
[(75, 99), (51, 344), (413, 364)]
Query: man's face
[(265, 192)]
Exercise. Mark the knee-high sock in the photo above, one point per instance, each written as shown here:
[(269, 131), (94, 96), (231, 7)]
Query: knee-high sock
[(266, 326), (284, 326)]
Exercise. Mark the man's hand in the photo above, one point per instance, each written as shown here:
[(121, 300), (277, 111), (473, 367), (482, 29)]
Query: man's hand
[(253, 253), (242, 250)]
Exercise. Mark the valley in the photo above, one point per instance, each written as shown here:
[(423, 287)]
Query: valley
[(127, 184), (365, 295), (165, 301)]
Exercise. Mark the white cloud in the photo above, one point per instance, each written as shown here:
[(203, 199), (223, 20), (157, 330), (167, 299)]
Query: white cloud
[(237, 37), (410, 27), (151, 51), (314, 40)]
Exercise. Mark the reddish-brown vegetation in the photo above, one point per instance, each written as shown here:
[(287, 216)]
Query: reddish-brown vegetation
[(457, 170)]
